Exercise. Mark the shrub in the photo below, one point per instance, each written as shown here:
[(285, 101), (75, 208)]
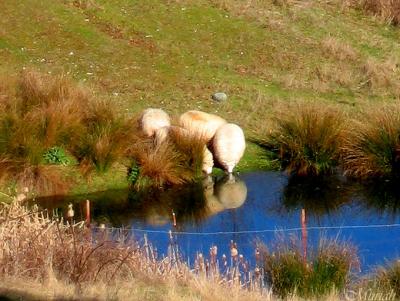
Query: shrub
[(327, 268), (371, 147), (305, 138)]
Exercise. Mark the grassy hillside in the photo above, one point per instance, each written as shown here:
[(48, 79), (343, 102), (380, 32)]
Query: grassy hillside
[(175, 54)]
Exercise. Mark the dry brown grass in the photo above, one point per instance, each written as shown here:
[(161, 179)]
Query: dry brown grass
[(382, 75), (306, 138), (339, 49), (176, 161), (40, 112), (388, 10), (371, 146), (60, 261)]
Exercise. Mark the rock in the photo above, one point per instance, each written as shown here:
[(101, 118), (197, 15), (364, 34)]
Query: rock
[(219, 97)]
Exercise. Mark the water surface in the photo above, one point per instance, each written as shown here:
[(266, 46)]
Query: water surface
[(250, 207)]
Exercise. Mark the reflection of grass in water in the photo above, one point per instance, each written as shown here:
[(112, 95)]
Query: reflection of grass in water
[(382, 196), (318, 195), (186, 202), (120, 207)]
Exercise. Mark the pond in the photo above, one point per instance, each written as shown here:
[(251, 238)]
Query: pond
[(249, 207)]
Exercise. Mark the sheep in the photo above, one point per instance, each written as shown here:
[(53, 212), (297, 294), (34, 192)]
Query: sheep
[(231, 192), (228, 146), (153, 119), (165, 132), (201, 124)]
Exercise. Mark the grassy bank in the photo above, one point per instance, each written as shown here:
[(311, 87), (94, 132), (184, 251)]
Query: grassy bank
[(259, 53)]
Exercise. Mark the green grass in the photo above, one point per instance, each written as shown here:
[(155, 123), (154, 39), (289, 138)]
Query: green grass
[(175, 54)]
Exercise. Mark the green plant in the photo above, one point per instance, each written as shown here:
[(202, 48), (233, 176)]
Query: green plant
[(305, 138), (327, 267), (56, 155), (133, 173)]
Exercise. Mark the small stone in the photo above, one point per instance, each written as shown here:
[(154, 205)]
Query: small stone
[(219, 96)]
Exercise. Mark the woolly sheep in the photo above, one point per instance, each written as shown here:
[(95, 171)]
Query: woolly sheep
[(228, 146), (153, 119), (201, 124), (163, 133)]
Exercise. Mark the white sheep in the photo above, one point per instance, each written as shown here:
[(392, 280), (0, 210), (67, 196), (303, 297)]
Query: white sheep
[(201, 124), (228, 146), (153, 119), (165, 132)]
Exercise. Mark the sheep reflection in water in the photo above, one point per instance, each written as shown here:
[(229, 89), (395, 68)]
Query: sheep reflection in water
[(191, 204), (229, 192)]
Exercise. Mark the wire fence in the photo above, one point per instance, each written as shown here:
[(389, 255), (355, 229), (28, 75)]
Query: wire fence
[(275, 230)]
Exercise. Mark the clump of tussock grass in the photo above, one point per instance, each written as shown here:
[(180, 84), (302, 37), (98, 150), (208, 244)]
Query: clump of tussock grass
[(387, 278), (338, 49), (305, 139), (41, 114), (104, 137), (176, 161), (371, 147), (325, 270), (387, 10), (381, 75)]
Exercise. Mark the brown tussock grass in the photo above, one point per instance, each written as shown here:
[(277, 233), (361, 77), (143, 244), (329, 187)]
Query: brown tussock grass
[(381, 75), (388, 10), (305, 138), (40, 112), (371, 145), (176, 161)]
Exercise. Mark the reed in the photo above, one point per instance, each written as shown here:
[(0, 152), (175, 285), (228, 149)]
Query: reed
[(55, 256)]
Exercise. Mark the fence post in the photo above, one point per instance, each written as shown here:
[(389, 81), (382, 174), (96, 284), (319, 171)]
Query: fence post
[(304, 234)]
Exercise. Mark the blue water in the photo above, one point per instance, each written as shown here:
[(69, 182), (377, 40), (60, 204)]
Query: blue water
[(257, 202)]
